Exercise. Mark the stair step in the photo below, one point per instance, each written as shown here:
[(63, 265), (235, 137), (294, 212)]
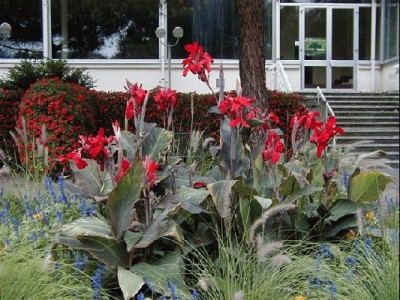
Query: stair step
[(363, 101), (364, 112), (370, 97), (369, 124), (344, 118), (367, 106), (385, 140)]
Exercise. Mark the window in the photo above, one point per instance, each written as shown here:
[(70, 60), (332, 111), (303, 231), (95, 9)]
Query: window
[(214, 25), (391, 46), (104, 29), (25, 19), (364, 34), (289, 28)]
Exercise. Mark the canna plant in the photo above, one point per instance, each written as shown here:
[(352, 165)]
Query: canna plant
[(119, 172), (154, 205)]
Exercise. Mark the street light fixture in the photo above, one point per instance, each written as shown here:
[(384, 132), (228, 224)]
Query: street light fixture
[(178, 34), (5, 30)]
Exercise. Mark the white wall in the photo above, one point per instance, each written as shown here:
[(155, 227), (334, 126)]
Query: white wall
[(390, 76), (112, 75)]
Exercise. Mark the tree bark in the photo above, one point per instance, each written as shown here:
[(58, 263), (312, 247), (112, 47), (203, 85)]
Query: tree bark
[(251, 53)]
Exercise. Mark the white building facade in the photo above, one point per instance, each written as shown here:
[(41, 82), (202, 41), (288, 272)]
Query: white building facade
[(340, 46)]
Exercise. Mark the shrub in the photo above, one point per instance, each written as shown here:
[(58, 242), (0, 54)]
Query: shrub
[(63, 108), (18, 80), (21, 76), (110, 106), (285, 105), (9, 100)]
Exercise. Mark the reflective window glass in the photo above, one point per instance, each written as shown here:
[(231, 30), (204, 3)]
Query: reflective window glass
[(391, 44), (289, 30), (23, 39), (104, 29)]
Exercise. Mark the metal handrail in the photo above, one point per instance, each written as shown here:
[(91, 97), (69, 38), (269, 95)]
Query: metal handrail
[(281, 77), (326, 109)]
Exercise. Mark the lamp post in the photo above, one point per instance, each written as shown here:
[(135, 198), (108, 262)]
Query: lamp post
[(177, 33), (5, 30)]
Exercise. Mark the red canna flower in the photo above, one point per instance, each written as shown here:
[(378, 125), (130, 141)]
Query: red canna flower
[(198, 61), (307, 121), (150, 166), (199, 184), (76, 157), (273, 148), (234, 108), (323, 133), (124, 168), (165, 99), (135, 101)]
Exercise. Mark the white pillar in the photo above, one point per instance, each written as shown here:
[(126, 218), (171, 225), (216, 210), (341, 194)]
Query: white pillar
[(162, 22), (46, 30), (373, 42)]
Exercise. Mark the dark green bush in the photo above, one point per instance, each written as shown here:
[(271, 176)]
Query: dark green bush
[(22, 75)]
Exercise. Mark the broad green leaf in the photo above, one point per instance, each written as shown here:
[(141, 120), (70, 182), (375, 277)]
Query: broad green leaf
[(190, 195), (156, 142), (367, 186), (128, 143), (221, 194), (111, 252), (92, 180), (168, 268), (87, 227), (172, 230), (192, 208), (264, 202), (129, 282), (342, 224), (290, 186), (341, 209), (152, 233), (122, 199), (244, 206), (131, 238), (306, 191), (232, 153)]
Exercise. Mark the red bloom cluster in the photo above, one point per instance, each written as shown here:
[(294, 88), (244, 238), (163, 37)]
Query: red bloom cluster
[(134, 104), (95, 148), (323, 133), (198, 61), (63, 108), (165, 99), (150, 167), (273, 148), (306, 121), (235, 108), (125, 164)]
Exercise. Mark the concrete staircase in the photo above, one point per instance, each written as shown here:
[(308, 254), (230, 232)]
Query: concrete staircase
[(369, 119)]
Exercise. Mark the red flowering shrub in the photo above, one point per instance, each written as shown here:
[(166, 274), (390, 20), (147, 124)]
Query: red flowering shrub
[(109, 107), (9, 102), (202, 119), (65, 109), (284, 106)]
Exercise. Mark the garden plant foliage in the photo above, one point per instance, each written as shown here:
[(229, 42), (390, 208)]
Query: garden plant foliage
[(161, 228)]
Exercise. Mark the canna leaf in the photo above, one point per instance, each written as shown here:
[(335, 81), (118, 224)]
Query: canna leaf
[(123, 198), (367, 186)]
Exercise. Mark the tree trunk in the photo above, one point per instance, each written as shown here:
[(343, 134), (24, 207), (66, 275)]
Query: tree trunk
[(251, 54)]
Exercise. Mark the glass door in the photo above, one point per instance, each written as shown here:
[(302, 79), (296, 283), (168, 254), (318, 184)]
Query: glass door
[(327, 47)]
